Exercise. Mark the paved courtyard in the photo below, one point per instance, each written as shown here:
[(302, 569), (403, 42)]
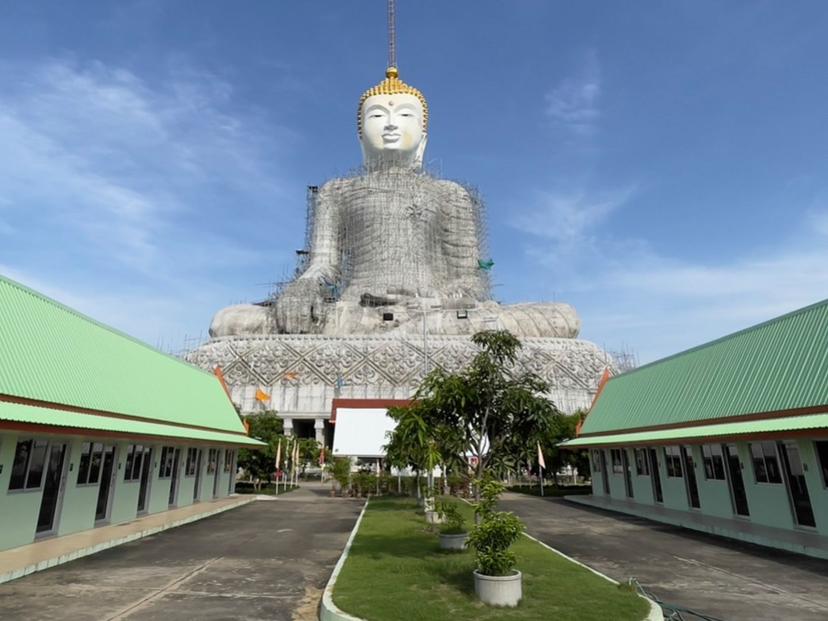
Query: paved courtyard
[(724, 579), (265, 560)]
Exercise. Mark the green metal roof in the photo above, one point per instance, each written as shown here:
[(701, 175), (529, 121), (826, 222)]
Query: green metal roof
[(52, 353), (787, 423), (778, 365), (47, 416)]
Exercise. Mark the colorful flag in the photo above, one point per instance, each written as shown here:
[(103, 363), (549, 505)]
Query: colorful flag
[(262, 396), (541, 461)]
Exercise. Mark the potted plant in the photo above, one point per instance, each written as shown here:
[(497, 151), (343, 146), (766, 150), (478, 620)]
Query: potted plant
[(496, 581), (453, 533)]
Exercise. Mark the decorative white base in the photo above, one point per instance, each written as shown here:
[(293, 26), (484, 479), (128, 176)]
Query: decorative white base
[(433, 517), (304, 373), (499, 590)]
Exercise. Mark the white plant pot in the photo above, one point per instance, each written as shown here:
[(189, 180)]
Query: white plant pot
[(499, 590), (433, 517), (454, 542)]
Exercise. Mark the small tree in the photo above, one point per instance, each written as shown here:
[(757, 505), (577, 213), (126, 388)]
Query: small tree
[(557, 458), (494, 534), (340, 469), (308, 452), (488, 410), (413, 444), (261, 463)]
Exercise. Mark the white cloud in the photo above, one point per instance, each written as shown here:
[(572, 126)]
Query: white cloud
[(632, 297), (574, 102), (569, 217), (133, 200), (98, 154)]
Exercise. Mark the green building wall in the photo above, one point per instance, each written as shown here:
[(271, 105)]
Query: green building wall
[(76, 512), (769, 503), (18, 508)]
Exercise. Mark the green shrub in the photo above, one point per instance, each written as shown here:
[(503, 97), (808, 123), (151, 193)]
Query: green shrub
[(491, 540), (453, 521), (495, 533), (365, 483), (458, 485), (340, 469)]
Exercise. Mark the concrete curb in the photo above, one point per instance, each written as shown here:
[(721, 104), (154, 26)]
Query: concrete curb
[(656, 614), (81, 552), (328, 611)]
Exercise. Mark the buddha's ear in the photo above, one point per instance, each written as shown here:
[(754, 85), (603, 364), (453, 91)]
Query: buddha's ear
[(418, 156), (364, 153)]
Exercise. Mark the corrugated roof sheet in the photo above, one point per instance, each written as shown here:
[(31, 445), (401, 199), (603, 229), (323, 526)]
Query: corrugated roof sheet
[(50, 352), (778, 365), (47, 416), (771, 425)]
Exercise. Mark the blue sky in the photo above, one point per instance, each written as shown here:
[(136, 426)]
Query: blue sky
[(661, 166)]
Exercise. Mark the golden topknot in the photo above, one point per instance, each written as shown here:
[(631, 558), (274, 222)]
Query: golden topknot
[(392, 85)]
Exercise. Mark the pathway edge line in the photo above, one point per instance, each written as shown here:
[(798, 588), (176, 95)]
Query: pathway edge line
[(328, 611), (656, 613)]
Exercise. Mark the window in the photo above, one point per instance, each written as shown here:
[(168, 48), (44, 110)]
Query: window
[(27, 469), (167, 458), (714, 468), (822, 454), (134, 461), (192, 461), (672, 459), (596, 461), (212, 461), (89, 469), (228, 460), (642, 464), (615, 455), (765, 462)]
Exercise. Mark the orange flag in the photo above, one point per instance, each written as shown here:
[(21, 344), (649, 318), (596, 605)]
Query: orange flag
[(262, 396)]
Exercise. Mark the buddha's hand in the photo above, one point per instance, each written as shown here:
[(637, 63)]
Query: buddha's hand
[(299, 306)]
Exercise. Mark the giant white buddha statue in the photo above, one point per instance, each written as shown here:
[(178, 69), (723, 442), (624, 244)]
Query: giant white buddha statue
[(393, 249)]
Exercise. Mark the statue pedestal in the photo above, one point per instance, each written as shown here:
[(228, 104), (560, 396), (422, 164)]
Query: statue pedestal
[(304, 373)]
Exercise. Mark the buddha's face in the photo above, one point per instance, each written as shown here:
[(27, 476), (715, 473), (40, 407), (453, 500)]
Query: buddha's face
[(392, 129)]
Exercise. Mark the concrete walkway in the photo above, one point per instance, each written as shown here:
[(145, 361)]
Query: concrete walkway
[(724, 579), (266, 560), (23, 560)]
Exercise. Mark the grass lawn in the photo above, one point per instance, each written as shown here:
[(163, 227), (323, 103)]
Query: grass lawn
[(396, 570)]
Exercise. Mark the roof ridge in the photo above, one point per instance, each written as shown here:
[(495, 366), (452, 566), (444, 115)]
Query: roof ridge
[(80, 315), (726, 337)]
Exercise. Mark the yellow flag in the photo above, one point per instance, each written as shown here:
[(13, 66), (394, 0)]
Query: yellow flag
[(262, 396)]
